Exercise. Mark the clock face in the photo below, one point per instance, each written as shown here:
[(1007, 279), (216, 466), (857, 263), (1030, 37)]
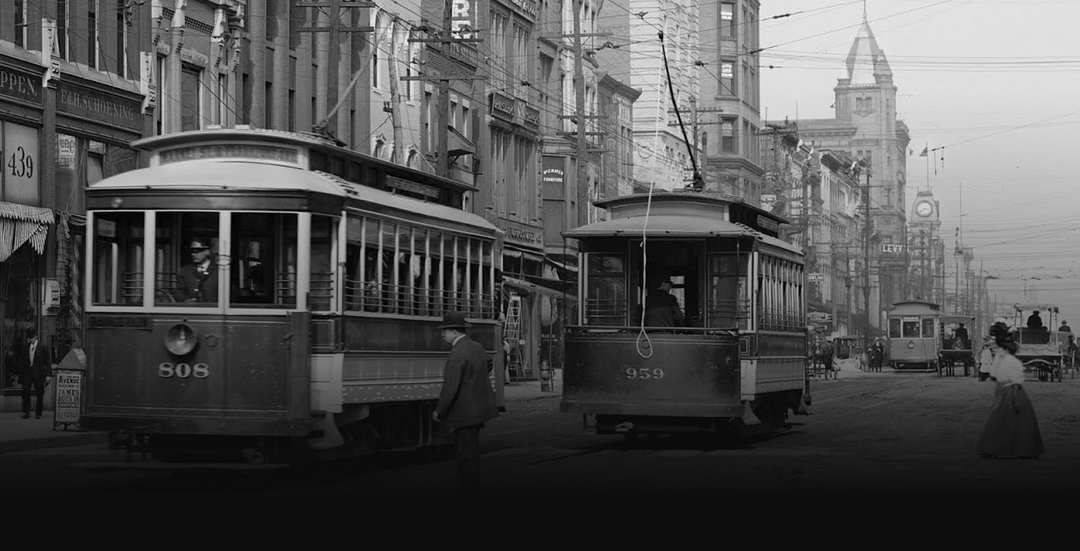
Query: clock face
[(924, 209)]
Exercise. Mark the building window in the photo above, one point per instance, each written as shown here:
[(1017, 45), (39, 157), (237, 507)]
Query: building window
[(190, 98), (727, 136), (20, 23), (121, 39), (727, 78), (92, 35), (727, 20), (62, 27)]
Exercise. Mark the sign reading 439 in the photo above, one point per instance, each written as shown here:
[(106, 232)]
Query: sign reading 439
[(20, 167)]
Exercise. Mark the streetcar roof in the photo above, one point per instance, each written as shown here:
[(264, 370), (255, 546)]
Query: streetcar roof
[(1034, 307), (914, 307), (674, 225), (221, 175), (957, 319), (402, 203), (235, 175)]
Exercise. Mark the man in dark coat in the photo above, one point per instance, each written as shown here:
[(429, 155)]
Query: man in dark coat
[(661, 307), (35, 370), (962, 336), (467, 399), (198, 281)]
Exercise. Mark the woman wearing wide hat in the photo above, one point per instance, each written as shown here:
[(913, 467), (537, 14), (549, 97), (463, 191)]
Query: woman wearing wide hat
[(1011, 430)]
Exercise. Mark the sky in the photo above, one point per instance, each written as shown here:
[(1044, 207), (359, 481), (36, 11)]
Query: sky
[(994, 86)]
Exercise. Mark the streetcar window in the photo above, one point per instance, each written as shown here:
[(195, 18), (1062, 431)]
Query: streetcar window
[(186, 259), (605, 302), (910, 329), (264, 260), (323, 237), (402, 269), (928, 328), (728, 303), (118, 258), (894, 328)]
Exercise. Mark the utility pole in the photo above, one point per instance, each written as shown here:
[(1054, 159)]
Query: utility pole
[(581, 147), (445, 40), (579, 110), (866, 263), (333, 49)]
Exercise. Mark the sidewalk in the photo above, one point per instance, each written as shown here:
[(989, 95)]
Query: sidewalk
[(18, 434)]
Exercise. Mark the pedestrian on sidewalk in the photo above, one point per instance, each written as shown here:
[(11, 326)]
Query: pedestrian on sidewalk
[(1011, 430), (467, 399), (35, 371), (986, 358)]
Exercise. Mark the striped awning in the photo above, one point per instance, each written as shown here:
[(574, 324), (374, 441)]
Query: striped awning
[(20, 224)]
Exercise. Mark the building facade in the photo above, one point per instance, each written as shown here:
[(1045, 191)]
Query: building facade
[(866, 129), (73, 94), (729, 112)]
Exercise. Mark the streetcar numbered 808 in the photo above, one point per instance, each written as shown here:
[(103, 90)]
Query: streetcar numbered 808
[(264, 296)]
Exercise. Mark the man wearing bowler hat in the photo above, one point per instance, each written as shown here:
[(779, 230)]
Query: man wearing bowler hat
[(197, 281), (467, 399)]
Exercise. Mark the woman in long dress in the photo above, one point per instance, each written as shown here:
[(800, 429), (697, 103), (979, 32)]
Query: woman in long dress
[(1011, 430)]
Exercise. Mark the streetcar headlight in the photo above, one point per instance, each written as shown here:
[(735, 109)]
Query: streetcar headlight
[(181, 339), (911, 344)]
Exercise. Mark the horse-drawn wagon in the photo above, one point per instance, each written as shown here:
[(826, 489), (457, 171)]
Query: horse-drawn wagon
[(1040, 349), (956, 348)]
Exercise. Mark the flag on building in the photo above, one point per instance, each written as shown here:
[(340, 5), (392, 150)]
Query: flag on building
[(925, 150)]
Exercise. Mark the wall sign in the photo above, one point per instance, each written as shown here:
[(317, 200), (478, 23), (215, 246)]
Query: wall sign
[(88, 103), (20, 85), (21, 164)]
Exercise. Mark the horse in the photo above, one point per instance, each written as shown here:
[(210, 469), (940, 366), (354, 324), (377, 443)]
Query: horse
[(822, 355), (876, 355)]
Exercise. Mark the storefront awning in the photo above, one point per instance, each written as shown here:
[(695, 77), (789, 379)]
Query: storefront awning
[(20, 224), (549, 287)]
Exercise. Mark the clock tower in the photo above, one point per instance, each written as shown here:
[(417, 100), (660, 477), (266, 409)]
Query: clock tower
[(925, 245)]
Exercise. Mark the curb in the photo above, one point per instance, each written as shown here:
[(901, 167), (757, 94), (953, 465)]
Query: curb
[(55, 441)]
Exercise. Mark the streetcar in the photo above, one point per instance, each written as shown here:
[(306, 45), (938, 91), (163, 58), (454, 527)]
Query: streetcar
[(914, 336), (315, 332), (738, 362)]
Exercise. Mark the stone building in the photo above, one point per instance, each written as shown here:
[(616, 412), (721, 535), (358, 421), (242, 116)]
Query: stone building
[(866, 128), (74, 91)]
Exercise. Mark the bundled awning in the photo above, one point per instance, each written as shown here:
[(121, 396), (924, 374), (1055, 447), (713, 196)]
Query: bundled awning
[(20, 224)]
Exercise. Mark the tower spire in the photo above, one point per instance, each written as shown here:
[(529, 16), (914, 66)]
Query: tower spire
[(864, 10)]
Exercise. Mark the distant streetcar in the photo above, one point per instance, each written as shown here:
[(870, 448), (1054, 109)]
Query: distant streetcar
[(915, 336), (332, 271), (739, 360)]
